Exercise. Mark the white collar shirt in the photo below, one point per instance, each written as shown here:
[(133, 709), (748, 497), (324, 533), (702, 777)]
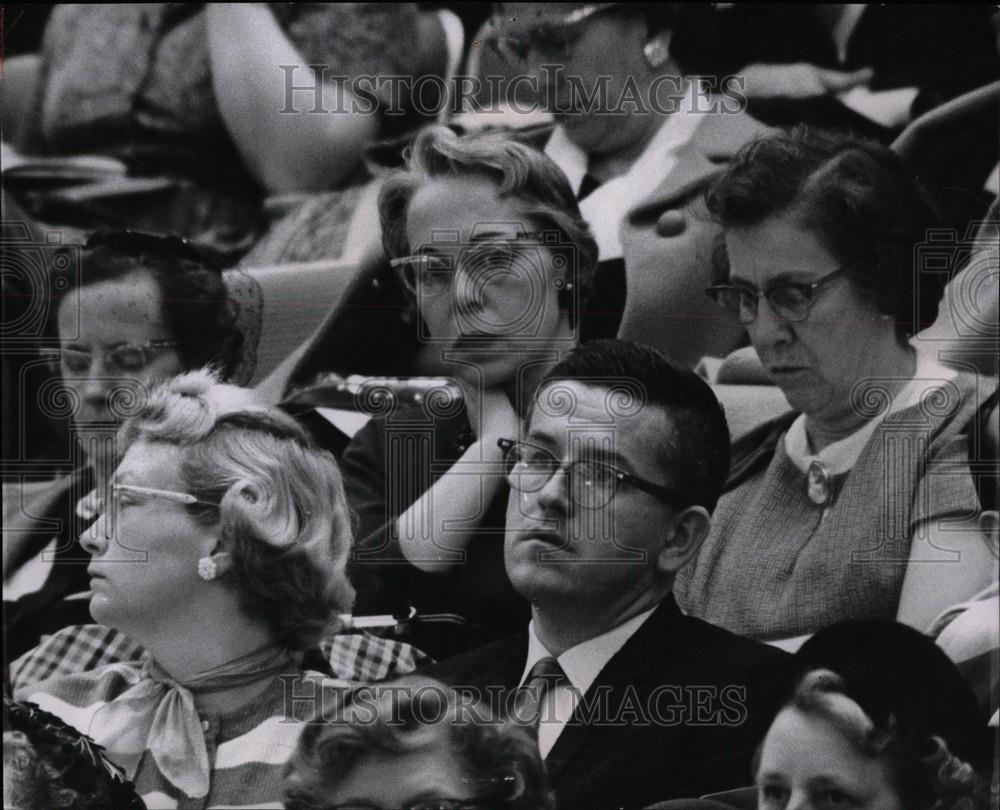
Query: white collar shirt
[(581, 664), (606, 207)]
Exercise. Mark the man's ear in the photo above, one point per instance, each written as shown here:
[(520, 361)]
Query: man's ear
[(689, 529)]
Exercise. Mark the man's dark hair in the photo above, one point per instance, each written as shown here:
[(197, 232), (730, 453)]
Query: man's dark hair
[(860, 200), (695, 456)]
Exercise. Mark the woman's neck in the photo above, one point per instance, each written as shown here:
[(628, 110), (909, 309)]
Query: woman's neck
[(208, 637)]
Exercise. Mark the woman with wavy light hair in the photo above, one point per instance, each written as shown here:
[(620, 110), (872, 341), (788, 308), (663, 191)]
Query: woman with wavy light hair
[(221, 547)]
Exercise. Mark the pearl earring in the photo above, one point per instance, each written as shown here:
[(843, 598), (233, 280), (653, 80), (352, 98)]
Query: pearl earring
[(207, 569)]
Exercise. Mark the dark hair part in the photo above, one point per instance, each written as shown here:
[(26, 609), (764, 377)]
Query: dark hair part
[(860, 200), (409, 715), (519, 171), (196, 305), (695, 456)]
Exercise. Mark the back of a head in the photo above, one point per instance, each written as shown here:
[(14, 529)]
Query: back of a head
[(695, 456)]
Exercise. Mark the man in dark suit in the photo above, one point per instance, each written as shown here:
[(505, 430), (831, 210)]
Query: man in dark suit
[(624, 455)]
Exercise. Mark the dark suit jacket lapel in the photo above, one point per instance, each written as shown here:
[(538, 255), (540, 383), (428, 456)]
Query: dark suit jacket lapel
[(651, 649)]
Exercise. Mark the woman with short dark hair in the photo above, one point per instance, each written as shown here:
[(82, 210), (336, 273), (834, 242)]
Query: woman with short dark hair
[(879, 719), (130, 310), (852, 507)]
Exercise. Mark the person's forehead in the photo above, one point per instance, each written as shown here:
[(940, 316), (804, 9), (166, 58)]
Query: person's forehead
[(777, 250), (812, 748), (128, 303), (464, 206), (150, 464), (565, 410)]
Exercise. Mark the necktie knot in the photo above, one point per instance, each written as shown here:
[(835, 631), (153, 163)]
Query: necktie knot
[(544, 676)]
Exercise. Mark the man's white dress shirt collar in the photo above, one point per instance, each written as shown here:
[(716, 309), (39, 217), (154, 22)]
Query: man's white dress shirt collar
[(582, 664), (606, 207)]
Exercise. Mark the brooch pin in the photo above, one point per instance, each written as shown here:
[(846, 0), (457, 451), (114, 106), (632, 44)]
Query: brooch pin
[(818, 484)]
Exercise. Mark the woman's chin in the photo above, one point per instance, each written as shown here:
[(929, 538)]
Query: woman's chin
[(102, 609)]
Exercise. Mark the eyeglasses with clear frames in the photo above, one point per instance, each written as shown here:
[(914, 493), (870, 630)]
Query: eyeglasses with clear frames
[(151, 494), (432, 273), (593, 484), (790, 300), (126, 358)]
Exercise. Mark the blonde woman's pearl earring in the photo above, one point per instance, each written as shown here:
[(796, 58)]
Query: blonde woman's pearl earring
[(207, 569)]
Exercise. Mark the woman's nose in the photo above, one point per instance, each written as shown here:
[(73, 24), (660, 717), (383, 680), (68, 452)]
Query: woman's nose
[(96, 538), (769, 328), (94, 384)]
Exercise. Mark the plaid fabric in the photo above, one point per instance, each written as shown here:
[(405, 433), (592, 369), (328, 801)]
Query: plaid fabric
[(365, 658), (358, 657)]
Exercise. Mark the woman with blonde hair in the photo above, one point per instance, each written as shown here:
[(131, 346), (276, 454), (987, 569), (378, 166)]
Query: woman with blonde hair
[(221, 548)]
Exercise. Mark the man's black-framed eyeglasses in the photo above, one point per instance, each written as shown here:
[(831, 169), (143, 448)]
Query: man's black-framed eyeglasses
[(552, 40), (162, 244), (790, 300), (593, 484)]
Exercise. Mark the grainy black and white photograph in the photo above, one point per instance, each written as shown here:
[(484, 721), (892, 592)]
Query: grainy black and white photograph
[(500, 406)]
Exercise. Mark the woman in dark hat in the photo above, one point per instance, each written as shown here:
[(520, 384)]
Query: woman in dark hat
[(880, 719)]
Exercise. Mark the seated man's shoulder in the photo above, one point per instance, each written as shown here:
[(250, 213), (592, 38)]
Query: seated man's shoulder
[(725, 651), (481, 663)]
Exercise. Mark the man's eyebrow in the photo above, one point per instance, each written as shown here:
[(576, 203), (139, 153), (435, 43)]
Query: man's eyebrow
[(540, 438), (594, 452)]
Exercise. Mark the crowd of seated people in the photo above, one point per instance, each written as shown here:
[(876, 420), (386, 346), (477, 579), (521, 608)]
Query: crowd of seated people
[(216, 604)]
